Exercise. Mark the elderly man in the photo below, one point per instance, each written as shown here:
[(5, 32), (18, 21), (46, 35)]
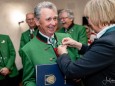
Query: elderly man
[(78, 32), (27, 35), (31, 32), (42, 48)]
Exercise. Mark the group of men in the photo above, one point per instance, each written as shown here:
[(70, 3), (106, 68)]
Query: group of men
[(43, 24), (9, 75), (40, 44), (42, 49)]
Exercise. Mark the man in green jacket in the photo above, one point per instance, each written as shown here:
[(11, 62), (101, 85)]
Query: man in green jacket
[(77, 32), (27, 35), (42, 48), (8, 70), (31, 32)]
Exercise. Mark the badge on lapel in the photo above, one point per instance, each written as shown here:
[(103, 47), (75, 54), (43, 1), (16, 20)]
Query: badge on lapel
[(3, 41)]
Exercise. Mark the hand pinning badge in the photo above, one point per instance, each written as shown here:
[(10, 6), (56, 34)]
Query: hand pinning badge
[(3, 41)]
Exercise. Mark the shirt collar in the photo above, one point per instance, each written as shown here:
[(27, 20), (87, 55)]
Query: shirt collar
[(67, 29), (104, 30), (48, 38), (31, 30)]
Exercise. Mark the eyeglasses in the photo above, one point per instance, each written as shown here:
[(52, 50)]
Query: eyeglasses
[(63, 18), (30, 19)]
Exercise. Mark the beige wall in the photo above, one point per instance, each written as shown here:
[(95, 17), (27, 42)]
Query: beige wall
[(14, 30)]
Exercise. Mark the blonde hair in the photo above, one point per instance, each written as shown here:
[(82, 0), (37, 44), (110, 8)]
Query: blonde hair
[(100, 12)]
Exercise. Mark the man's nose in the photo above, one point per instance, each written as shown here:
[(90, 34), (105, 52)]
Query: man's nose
[(53, 22)]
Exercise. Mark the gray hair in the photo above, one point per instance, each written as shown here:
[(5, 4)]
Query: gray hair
[(69, 12), (44, 4)]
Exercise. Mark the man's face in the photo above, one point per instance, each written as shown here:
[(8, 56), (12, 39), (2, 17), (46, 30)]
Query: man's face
[(47, 22), (30, 20), (65, 20)]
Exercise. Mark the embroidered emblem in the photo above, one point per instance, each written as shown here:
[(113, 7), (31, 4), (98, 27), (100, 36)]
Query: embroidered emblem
[(3, 41), (50, 79)]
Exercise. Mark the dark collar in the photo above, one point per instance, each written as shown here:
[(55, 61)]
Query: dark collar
[(69, 27), (109, 30), (42, 38), (35, 28)]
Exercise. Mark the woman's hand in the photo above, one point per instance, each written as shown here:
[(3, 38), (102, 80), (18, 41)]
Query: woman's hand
[(71, 43), (62, 49)]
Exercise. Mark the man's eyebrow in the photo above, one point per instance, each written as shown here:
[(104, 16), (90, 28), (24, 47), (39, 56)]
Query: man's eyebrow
[(50, 17)]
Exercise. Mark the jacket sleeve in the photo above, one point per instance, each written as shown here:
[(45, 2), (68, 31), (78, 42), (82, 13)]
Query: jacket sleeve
[(83, 49), (12, 54), (98, 57)]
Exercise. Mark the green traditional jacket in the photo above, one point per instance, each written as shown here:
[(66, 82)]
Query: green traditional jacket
[(7, 56), (77, 32), (26, 37), (37, 52)]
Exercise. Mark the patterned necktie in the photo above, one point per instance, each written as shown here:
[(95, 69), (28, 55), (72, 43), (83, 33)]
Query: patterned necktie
[(53, 42), (31, 34)]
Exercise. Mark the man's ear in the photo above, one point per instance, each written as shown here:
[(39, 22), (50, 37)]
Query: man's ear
[(36, 21), (26, 20)]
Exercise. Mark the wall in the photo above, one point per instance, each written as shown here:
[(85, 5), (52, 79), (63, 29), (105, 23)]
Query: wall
[(10, 26)]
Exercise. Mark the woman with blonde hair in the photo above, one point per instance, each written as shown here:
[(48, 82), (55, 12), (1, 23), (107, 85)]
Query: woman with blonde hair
[(97, 66)]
